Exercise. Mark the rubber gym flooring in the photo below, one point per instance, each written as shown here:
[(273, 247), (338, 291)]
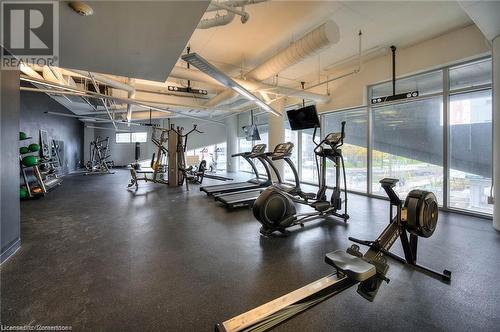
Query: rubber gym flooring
[(99, 257)]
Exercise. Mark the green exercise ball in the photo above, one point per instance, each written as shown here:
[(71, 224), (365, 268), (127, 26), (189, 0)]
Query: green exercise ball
[(23, 192), (22, 135), (34, 147), (23, 150), (30, 161)]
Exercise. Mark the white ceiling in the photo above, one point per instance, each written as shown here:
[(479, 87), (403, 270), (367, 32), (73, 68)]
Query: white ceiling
[(273, 25), (140, 39), (485, 14), (144, 39)]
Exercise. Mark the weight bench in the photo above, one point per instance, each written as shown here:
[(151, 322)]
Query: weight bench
[(144, 176), (145, 171), (354, 267)]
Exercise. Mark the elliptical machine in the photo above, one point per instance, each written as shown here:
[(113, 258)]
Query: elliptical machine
[(275, 209)]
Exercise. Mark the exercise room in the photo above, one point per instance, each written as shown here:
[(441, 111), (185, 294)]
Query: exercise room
[(250, 165)]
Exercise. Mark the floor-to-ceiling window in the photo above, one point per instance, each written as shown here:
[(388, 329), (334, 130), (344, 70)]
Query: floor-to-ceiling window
[(261, 120), (309, 172), (292, 136), (449, 123), (407, 136), (408, 145), (246, 119), (214, 155), (470, 137), (354, 149)]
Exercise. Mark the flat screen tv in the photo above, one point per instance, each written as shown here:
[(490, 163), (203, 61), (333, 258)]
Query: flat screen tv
[(303, 118), (251, 133)]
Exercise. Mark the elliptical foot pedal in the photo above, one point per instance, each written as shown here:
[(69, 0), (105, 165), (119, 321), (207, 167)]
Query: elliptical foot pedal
[(354, 267)]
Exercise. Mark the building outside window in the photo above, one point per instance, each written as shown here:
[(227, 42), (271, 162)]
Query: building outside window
[(309, 172), (354, 149), (245, 119), (470, 151), (292, 136), (408, 137), (408, 145), (122, 137), (140, 137), (215, 156)]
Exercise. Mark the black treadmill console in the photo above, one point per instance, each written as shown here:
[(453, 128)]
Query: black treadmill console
[(283, 149), (258, 149), (333, 139)]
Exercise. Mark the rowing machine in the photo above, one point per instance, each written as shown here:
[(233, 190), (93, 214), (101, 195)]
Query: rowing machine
[(416, 217)]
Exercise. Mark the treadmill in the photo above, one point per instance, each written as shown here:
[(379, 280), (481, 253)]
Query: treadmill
[(282, 151), (257, 152)]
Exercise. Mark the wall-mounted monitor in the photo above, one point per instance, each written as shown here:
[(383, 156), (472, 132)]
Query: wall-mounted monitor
[(303, 118), (251, 133)]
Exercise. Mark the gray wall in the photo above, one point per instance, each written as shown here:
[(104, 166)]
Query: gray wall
[(123, 154), (69, 130), (212, 133), (10, 230), (88, 136)]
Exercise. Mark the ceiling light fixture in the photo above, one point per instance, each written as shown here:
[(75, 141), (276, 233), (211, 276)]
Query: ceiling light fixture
[(204, 66)]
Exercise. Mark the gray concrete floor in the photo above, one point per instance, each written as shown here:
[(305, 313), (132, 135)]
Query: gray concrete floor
[(97, 256)]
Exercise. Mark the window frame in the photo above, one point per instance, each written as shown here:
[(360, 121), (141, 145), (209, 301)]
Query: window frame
[(122, 133), (138, 132), (445, 95)]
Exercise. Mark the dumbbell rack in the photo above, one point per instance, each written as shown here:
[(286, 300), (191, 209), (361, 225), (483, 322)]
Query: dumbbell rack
[(36, 173)]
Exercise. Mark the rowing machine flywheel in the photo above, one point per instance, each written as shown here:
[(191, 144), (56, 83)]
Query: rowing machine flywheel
[(422, 213)]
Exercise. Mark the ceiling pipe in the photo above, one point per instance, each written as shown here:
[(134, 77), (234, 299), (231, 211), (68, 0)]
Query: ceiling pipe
[(198, 76), (57, 73), (233, 3), (313, 42), (104, 79), (355, 71), (131, 95), (230, 9), (225, 96), (104, 128), (30, 71), (193, 75), (48, 75), (82, 117), (61, 89), (104, 102), (217, 20), (91, 94)]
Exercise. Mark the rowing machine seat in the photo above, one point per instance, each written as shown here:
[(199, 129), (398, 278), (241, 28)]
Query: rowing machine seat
[(354, 267)]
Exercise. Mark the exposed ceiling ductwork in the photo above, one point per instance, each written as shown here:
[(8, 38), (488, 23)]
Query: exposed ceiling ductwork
[(198, 76), (313, 42), (231, 9), (217, 20)]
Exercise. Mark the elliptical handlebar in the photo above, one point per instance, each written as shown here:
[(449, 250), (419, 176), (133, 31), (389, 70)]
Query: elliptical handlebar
[(338, 144), (193, 130), (180, 129)]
